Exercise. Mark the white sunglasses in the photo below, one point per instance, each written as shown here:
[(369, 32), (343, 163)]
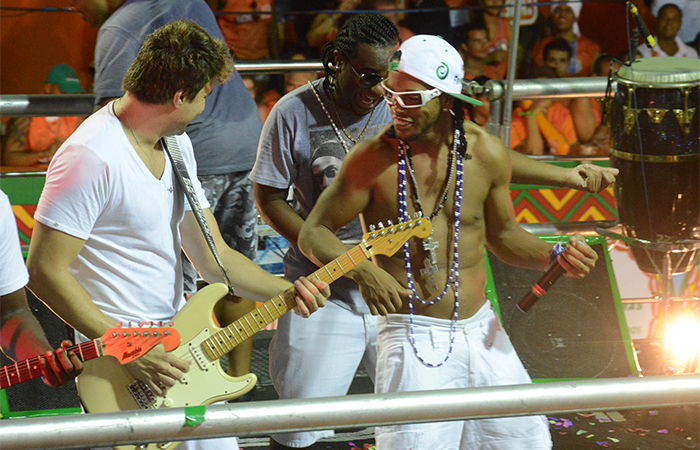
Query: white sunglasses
[(409, 99)]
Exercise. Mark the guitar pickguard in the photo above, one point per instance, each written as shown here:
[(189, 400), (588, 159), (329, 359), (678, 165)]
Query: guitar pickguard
[(107, 386), (205, 379)]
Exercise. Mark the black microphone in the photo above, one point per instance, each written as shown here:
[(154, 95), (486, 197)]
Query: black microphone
[(539, 289), (648, 38)]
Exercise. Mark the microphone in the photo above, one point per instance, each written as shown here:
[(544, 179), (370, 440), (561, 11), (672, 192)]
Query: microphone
[(540, 288), (648, 38)]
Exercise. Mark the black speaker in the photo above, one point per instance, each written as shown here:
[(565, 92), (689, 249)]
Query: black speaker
[(33, 397), (576, 331)]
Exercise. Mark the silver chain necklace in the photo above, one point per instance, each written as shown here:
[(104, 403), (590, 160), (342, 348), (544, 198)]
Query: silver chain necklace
[(330, 119)]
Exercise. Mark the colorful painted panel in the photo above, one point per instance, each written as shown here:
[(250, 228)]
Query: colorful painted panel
[(535, 205)]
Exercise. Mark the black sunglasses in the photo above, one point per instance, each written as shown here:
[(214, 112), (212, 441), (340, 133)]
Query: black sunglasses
[(367, 80)]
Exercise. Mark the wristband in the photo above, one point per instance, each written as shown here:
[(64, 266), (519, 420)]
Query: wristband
[(527, 113)]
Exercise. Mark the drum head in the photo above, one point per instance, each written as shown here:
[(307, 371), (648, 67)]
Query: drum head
[(668, 70)]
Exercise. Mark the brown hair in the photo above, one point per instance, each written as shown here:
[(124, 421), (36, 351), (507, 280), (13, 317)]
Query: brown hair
[(178, 56)]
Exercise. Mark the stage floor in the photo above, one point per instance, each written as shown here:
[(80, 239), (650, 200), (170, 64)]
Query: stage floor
[(676, 428)]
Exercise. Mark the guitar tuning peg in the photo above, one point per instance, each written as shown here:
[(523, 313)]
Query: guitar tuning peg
[(389, 223), (372, 227), (140, 324), (119, 324), (418, 214), (380, 225)]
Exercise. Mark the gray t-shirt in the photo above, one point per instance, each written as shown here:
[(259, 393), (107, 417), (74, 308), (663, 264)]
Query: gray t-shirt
[(300, 148), (226, 134)]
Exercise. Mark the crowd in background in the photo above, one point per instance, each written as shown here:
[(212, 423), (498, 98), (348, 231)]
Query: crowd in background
[(570, 39), (565, 39)]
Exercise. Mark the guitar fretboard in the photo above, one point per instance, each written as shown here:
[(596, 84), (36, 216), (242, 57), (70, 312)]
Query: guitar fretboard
[(29, 369), (225, 340)]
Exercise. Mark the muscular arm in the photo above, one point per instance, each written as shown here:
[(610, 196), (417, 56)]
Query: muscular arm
[(352, 189), (509, 242), (51, 253), (248, 279), (585, 177)]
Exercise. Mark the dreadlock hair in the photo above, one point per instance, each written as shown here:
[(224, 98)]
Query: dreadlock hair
[(458, 117), (370, 28)]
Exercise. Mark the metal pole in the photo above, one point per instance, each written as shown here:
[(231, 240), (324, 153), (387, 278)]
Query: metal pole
[(82, 104), (510, 76), (666, 286), (263, 418)]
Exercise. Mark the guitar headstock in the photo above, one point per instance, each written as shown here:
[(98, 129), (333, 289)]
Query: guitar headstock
[(129, 344), (387, 240)]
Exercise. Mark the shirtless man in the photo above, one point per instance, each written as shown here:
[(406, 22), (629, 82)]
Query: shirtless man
[(436, 329)]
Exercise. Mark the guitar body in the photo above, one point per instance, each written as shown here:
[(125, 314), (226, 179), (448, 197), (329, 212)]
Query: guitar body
[(104, 385)]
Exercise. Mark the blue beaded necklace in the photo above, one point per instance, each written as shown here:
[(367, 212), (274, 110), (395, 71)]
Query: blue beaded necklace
[(453, 279)]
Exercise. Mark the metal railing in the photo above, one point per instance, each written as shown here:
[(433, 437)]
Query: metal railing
[(262, 418), (82, 104)]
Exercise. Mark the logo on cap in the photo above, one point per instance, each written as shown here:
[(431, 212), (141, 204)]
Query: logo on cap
[(442, 71)]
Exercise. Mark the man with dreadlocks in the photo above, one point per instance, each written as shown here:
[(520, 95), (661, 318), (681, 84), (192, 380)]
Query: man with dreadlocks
[(436, 329), (304, 140)]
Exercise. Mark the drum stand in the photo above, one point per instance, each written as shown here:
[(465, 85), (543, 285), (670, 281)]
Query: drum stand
[(666, 272)]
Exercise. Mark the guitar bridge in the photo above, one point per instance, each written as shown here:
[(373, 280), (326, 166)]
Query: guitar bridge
[(142, 394)]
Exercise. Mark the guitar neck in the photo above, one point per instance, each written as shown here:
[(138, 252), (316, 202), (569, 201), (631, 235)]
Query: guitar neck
[(29, 369), (225, 340)]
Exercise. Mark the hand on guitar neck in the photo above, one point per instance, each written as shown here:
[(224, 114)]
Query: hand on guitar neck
[(65, 363), (60, 366)]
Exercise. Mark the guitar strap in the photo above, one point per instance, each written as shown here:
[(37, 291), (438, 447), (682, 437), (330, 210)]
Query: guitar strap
[(173, 150)]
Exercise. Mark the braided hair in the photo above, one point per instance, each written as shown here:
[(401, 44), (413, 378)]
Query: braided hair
[(370, 28), (458, 117)]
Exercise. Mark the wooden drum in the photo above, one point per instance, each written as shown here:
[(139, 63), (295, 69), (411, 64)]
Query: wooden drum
[(655, 143)]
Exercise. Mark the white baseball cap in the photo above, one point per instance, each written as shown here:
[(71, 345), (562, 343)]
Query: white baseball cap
[(432, 60)]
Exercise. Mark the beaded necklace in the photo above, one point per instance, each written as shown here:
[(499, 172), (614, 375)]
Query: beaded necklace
[(453, 279), (430, 265), (335, 127)]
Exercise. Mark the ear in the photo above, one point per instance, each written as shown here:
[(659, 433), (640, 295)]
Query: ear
[(447, 101), (337, 59), (179, 99)]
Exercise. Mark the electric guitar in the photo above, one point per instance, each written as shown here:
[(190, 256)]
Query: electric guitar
[(125, 344), (107, 387)]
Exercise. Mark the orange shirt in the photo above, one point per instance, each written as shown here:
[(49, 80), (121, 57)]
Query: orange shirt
[(557, 114), (583, 52), (42, 133), (500, 41), (246, 34)]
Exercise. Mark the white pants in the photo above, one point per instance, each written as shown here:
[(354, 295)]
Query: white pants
[(482, 355), (318, 357)]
